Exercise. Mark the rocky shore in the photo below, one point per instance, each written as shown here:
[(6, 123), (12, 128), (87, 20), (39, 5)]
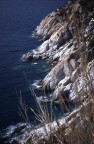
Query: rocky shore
[(67, 36), (63, 39)]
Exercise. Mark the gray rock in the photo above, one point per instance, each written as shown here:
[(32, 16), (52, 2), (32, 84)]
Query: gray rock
[(26, 57), (61, 88), (89, 28), (53, 77)]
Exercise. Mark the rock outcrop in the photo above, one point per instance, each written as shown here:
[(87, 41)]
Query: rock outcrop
[(68, 43), (67, 34)]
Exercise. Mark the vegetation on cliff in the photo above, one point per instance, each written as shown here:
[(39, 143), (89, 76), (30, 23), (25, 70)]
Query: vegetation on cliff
[(68, 43)]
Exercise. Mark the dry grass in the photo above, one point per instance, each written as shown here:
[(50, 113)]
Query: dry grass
[(79, 129)]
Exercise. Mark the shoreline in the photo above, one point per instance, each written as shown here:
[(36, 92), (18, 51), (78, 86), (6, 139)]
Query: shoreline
[(60, 33), (63, 47)]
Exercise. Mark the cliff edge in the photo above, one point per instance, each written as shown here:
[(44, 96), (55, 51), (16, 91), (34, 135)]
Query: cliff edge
[(67, 36)]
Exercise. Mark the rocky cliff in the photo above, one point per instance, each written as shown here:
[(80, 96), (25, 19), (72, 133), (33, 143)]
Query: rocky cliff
[(67, 36)]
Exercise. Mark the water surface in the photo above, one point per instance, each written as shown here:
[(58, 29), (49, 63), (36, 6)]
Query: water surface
[(17, 21)]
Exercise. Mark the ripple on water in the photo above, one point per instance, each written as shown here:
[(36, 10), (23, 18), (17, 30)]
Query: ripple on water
[(14, 132), (36, 84), (18, 67)]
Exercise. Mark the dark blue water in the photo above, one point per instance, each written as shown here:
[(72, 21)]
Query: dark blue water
[(18, 18)]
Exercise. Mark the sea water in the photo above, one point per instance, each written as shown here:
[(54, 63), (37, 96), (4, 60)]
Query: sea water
[(18, 19)]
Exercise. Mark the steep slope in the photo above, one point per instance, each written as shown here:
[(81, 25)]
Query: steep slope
[(68, 43), (67, 35)]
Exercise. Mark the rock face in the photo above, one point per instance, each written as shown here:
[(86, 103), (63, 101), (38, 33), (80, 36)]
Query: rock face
[(68, 41), (26, 57), (67, 36), (62, 32)]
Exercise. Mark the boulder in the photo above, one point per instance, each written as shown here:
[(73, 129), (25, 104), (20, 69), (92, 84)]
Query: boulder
[(60, 89), (53, 77), (27, 56)]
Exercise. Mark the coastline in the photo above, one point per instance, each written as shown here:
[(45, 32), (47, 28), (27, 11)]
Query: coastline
[(60, 47)]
